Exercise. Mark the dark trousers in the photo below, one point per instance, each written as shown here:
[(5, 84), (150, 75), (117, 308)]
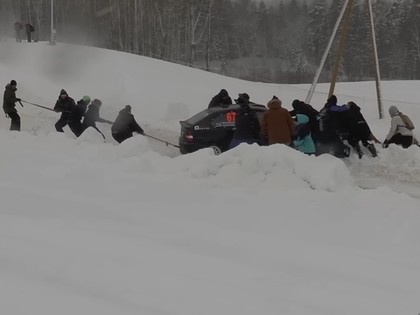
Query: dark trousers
[(62, 122), (29, 36), (122, 136), (405, 141), (76, 127), (84, 127), (15, 124), (18, 37)]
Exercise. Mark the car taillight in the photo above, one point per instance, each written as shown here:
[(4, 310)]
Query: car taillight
[(189, 136)]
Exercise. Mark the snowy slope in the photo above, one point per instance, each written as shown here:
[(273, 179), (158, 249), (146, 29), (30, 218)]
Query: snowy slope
[(96, 228)]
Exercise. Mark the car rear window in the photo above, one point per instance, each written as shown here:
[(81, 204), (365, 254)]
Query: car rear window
[(198, 117)]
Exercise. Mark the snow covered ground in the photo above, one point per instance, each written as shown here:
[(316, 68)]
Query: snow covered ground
[(97, 228)]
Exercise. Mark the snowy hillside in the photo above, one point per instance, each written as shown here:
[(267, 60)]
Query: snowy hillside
[(97, 228)]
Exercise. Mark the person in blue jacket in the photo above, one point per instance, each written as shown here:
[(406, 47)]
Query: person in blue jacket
[(303, 140)]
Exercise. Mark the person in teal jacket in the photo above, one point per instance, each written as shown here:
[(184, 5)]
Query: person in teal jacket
[(303, 139)]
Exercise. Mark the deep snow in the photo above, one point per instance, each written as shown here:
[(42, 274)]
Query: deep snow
[(97, 228)]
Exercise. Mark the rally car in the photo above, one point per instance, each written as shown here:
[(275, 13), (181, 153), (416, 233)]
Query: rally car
[(212, 128)]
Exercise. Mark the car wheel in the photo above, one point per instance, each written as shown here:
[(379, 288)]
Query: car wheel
[(216, 149)]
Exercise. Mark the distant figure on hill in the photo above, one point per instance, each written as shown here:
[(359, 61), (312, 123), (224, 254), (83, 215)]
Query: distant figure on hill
[(222, 98), (125, 125), (64, 105), (18, 28), (29, 30), (9, 106)]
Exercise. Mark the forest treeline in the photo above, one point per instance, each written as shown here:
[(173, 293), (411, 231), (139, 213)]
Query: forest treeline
[(281, 42)]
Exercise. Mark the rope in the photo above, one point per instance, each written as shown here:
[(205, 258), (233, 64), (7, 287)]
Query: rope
[(37, 105), (160, 140)]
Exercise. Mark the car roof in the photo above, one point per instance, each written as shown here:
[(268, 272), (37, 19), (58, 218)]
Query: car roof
[(218, 109), (225, 108)]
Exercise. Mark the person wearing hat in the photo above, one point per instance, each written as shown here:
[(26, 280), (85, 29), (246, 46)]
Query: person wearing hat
[(277, 124), (222, 98), (92, 116), (247, 125), (78, 112), (64, 105), (243, 99), (9, 106), (124, 125)]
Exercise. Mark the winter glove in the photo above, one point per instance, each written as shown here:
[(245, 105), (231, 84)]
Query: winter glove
[(18, 100)]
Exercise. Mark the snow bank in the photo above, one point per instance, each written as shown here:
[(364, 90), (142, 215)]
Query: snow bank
[(275, 167), (250, 167)]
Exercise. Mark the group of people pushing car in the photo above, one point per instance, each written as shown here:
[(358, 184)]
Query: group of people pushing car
[(78, 116), (311, 131)]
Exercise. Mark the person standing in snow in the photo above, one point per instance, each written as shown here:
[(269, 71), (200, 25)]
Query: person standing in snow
[(76, 115), (29, 29), (64, 105), (247, 125), (92, 116), (277, 124), (9, 106), (125, 124), (18, 29), (222, 98), (399, 133)]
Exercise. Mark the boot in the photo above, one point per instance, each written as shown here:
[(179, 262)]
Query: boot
[(357, 148), (372, 150)]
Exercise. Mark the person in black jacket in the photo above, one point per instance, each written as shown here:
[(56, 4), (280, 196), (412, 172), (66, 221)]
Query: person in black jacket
[(359, 131), (29, 29), (92, 116), (302, 108), (9, 106), (78, 112), (222, 98), (333, 124), (125, 125), (247, 125), (64, 105)]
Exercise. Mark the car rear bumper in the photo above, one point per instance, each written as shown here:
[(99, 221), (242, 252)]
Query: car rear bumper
[(186, 147)]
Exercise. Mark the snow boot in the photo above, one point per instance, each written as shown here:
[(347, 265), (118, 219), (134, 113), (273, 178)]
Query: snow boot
[(357, 148), (372, 150)]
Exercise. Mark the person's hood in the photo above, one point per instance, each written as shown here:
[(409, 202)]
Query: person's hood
[(297, 105), (10, 87), (302, 119), (355, 107), (274, 104), (393, 111), (125, 111), (332, 101)]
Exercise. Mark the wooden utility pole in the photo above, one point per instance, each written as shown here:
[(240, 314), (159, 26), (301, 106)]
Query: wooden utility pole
[(347, 11), (326, 52), (341, 46)]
